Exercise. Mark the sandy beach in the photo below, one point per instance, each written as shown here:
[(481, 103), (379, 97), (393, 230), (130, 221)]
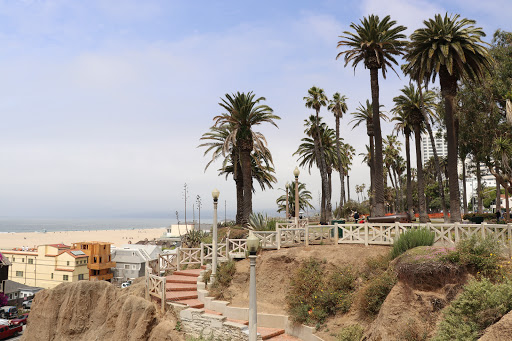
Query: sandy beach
[(117, 237)]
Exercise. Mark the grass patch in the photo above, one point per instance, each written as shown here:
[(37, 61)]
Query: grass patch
[(411, 331), (375, 291), (225, 273), (314, 295), (481, 304), (411, 239), (351, 333), (481, 256)]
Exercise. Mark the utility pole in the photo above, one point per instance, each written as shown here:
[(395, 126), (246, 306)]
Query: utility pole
[(225, 216), (198, 201), (185, 196)]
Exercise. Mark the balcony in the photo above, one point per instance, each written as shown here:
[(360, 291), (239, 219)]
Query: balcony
[(101, 266), (105, 277)]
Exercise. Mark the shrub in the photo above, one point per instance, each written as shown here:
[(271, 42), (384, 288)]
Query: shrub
[(260, 222), (412, 331), (193, 238), (481, 256), (474, 217), (225, 273), (3, 299), (478, 306), (314, 296), (346, 210), (411, 239), (351, 333), (375, 292)]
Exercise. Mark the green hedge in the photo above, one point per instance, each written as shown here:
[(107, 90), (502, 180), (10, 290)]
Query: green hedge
[(485, 216)]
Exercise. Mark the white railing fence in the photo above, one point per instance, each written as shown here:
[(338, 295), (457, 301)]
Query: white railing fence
[(155, 285)]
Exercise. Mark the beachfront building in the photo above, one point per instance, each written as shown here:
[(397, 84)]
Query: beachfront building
[(47, 266), (131, 260), (100, 260), (18, 292), (4, 271)]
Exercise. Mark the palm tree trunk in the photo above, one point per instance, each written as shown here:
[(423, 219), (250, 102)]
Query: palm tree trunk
[(340, 164), (440, 185), (372, 176), (397, 189), (348, 187), (316, 145), (379, 167), (419, 168), (323, 173), (449, 91), (464, 189), (507, 208), (239, 190), (410, 204), (246, 148), (498, 192), (479, 187)]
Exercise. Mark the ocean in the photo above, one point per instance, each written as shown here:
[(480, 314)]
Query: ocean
[(48, 225)]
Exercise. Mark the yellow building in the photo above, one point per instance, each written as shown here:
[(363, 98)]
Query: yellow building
[(100, 262), (47, 266)]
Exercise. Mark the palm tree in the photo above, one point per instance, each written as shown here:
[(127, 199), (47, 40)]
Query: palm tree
[(305, 198), (338, 106), (452, 48), (243, 112), (365, 114), (392, 149), (403, 125), (410, 104), (347, 155), (376, 43), (317, 99)]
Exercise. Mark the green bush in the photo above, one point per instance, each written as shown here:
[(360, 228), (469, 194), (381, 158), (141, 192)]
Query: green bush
[(260, 222), (481, 304), (411, 239), (314, 295), (346, 210), (480, 256), (485, 216), (375, 292), (225, 273), (351, 333)]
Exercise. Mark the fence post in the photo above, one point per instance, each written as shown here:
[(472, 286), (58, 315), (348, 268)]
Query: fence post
[(483, 228), (397, 231), (336, 234), (227, 249), (509, 228), (202, 253), (365, 233), (307, 235), (178, 258), (164, 294), (147, 280), (278, 238), (457, 231)]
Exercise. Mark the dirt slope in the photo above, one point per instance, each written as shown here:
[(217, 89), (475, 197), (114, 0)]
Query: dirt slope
[(274, 269), (501, 330), (97, 311)]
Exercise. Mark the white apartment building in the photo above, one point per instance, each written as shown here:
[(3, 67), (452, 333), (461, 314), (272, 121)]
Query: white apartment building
[(426, 147)]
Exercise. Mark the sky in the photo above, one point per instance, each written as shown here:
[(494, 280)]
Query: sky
[(103, 102)]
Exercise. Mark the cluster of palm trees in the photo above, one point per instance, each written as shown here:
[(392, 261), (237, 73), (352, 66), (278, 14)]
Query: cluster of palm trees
[(447, 47), (324, 147), (244, 151)]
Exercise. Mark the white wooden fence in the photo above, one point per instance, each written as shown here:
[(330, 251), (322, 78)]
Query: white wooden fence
[(155, 285)]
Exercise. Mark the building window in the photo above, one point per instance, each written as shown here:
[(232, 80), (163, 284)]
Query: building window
[(134, 267), (95, 260), (127, 266), (68, 263), (65, 277), (23, 260), (51, 276), (19, 273), (81, 277), (30, 261), (13, 259)]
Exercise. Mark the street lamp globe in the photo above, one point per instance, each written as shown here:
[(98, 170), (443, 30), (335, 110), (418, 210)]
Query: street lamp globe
[(296, 172), (252, 243), (215, 194)]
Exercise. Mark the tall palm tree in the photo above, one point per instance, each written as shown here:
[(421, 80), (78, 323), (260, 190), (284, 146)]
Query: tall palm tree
[(364, 113), (376, 43), (347, 152), (317, 99), (392, 149), (244, 111), (410, 103), (451, 47), (338, 106), (404, 126), (305, 198)]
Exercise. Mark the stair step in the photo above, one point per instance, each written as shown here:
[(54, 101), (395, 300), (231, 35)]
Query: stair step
[(180, 295), (284, 337), (181, 279), (194, 303), (267, 333), (191, 272), (238, 321), (211, 312), (180, 287)]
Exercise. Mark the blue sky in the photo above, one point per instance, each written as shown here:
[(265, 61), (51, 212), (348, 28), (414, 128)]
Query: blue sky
[(103, 102)]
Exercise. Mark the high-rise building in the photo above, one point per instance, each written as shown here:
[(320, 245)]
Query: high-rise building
[(426, 147)]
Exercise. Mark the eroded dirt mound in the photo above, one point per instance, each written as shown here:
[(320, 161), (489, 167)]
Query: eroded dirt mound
[(501, 330), (97, 311), (275, 268), (411, 314)]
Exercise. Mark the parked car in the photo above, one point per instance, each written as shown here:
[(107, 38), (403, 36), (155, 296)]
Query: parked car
[(8, 312), (7, 331), (125, 285), (21, 320), (27, 304)]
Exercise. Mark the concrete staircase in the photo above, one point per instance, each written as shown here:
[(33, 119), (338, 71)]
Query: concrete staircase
[(181, 287)]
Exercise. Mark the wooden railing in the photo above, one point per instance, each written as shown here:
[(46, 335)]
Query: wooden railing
[(207, 254), (189, 256), (155, 285), (237, 248), (168, 262)]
